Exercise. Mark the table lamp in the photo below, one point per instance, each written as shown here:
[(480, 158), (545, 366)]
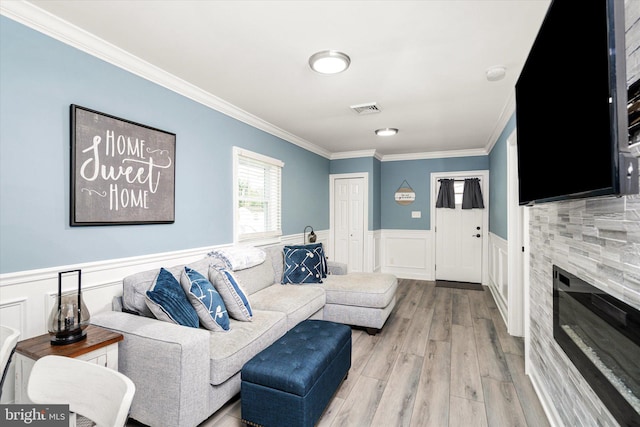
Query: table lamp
[(69, 317)]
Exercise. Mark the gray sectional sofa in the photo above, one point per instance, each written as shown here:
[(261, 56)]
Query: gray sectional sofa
[(183, 375)]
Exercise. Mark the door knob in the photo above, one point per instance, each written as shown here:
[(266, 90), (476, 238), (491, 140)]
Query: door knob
[(476, 235)]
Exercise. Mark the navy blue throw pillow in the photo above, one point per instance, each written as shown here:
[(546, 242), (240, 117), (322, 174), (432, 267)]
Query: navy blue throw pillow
[(167, 301), (302, 265), (318, 249)]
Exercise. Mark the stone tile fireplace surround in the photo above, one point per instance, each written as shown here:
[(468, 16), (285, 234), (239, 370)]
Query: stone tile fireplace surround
[(597, 240)]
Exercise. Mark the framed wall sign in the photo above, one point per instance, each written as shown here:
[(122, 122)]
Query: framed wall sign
[(405, 194), (121, 172)]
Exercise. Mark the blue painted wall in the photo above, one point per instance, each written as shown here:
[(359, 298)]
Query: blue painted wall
[(417, 173), (498, 182), (40, 77)]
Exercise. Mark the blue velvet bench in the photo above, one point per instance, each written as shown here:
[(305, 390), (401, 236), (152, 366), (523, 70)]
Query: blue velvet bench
[(291, 382)]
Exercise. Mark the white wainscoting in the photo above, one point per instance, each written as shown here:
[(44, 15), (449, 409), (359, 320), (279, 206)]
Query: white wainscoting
[(375, 238), (499, 273), (27, 297), (407, 253)]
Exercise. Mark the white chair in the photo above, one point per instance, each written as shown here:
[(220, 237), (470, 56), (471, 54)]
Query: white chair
[(98, 393), (8, 339)]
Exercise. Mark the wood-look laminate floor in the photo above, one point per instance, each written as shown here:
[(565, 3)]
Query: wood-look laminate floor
[(443, 358)]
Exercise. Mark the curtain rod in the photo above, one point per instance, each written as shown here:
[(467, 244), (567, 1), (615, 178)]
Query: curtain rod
[(458, 180)]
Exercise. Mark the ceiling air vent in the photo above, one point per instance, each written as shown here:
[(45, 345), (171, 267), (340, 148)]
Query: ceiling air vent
[(368, 108)]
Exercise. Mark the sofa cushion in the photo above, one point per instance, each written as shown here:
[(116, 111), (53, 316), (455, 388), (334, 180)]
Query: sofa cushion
[(168, 302), (231, 350), (297, 302), (275, 254), (234, 297), (301, 265), (255, 278), (360, 289), (206, 300)]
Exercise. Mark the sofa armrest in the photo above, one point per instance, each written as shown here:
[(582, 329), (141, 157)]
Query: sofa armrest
[(335, 267), (169, 365)]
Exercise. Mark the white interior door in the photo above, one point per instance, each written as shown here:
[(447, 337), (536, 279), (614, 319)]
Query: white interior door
[(349, 222), (459, 241)]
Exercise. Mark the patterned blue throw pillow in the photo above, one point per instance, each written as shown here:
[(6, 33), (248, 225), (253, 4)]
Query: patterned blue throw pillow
[(206, 300), (301, 265), (234, 297), (318, 249), (167, 301)]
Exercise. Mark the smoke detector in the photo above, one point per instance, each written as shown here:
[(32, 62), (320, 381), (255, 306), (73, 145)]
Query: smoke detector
[(368, 108), (496, 73)]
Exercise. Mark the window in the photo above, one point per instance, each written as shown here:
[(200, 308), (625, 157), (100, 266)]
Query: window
[(458, 190), (257, 186)]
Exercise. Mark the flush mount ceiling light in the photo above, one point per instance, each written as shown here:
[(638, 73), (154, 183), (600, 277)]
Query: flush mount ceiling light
[(496, 73), (386, 131), (329, 62)]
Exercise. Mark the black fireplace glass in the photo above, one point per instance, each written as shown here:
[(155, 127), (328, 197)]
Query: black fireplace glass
[(601, 336)]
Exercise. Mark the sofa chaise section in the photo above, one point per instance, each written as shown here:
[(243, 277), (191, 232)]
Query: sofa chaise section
[(360, 299)]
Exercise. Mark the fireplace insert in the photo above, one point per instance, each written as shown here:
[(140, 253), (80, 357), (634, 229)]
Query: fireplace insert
[(601, 336)]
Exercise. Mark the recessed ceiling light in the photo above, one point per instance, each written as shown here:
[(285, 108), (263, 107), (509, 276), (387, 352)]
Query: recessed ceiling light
[(329, 62), (496, 73), (386, 131)]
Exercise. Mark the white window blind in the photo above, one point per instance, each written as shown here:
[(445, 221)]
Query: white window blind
[(257, 189)]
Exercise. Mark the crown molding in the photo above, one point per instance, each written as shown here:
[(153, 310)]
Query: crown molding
[(435, 155), (506, 113), (410, 156), (61, 30), (65, 32), (355, 154)]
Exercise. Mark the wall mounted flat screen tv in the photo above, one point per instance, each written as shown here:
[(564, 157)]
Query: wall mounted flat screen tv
[(571, 112)]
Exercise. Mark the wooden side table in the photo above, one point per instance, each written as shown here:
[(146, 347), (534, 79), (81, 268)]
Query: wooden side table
[(100, 346)]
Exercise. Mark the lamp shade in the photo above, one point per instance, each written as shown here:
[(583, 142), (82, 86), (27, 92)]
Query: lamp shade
[(69, 317)]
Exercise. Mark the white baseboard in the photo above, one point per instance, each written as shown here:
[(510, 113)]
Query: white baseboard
[(545, 399)]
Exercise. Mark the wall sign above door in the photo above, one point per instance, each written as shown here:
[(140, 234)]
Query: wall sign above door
[(405, 194)]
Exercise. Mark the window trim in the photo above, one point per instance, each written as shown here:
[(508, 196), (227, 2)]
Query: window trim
[(261, 237)]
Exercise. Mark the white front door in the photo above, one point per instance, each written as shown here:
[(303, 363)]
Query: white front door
[(348, 205), (459, 237)]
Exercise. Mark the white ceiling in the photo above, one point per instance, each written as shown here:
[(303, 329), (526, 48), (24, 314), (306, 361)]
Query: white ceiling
[(423, 62)]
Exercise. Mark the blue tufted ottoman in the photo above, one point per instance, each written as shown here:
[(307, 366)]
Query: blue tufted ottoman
[(291, 382)]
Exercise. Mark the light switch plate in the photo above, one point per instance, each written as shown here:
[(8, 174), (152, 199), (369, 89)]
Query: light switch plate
[(416, 214)]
